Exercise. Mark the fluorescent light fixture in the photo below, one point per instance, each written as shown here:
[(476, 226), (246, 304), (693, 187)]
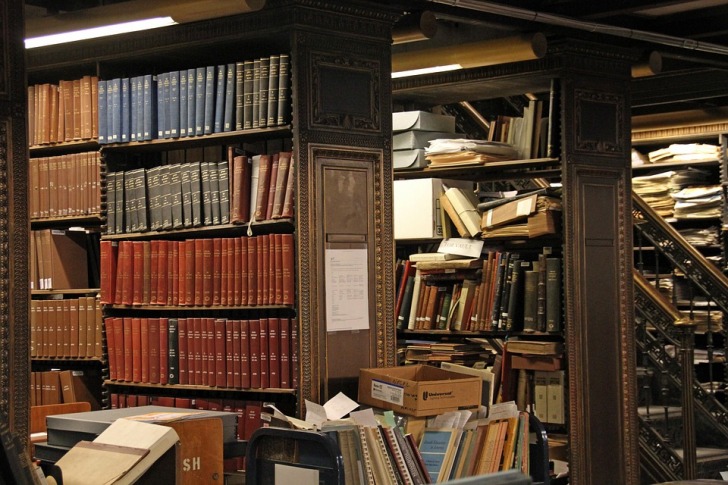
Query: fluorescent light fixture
[(103, 31), (129, 16), (426, 70)]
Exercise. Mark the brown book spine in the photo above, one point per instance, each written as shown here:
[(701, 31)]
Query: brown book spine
[(224, 271), (125, 268), (183, 349), (284, 346), (240, 173), (216, 271), (94, 107), (173, 271), (254, 355), (136, 349), (85, 102), (263, 268), (230, 345), (53, 108), (98, 337), (146, 272), (68, 392), (261, 193), (86, 326), (295, 372), (199, 272), (288, 198), (144, 349), (137, 272), (163, 350), (208, 351), (230, 271), (251, 289), (264, 353), (53, 186), (107, 259), (67, 94), (287, 267), (245, 382), (128, 349), (162, 272), (76, 109), (284, 162), (78, 326), (220, 360), (111, 345), (182, 273), (169, 273), (154, 268), (64, 328), (196, 349), (207, 271), (274, 349), (271, 298), (190, 268), (234, 354), (154, 342), (272, 185)]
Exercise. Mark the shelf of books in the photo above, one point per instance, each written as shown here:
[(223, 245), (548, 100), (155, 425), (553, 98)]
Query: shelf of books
[(479, 269)]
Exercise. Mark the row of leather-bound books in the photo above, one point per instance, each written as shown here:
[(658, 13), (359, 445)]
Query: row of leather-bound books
[(65, 185), (66, 328), (58, 387), (239, 189), (207, 272), (203, 351)]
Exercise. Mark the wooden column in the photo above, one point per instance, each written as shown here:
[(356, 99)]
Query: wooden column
[(595, 139)]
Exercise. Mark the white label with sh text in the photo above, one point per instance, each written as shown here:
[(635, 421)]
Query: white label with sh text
[(386, 391)]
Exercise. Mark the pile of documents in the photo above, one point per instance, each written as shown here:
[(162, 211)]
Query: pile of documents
[(655, 190), (698, 202), (688, 152), (460, 151)]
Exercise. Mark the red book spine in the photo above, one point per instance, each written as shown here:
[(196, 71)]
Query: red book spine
[(209, 379), (224, 271), (207, 271), (110, 346), (154, 350), (163, 350), (128, 343), (220, 374), (182, 273), (195, 358), (199, 272), (229, 352), (147, 272), (294, 354), (173, 270), (235, 352), (236, 273), (230, 270), (284, 359), (245, 354), (137, 272), (190, 261), (202, 342), (278, 265), (145, 349), (162, 265), (274, 344), (288, 202), (243, 269), (216, 270), (252, 270), (169, 273), (136, 349), (126, 268), (132, 400), (254, 356), (271, 300), (154, 264), (108, 255), (263, 358), (287, 267), (252, 418), (182, 350), (261, 272), (119, 341)]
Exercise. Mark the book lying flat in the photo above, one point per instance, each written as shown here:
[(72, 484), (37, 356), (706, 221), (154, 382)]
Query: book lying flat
[(537, 347)]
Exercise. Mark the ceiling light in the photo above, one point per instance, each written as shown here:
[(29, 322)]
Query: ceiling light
[(134, 15)]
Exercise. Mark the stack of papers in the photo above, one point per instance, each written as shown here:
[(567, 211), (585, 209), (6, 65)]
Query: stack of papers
[(462, 151), (689, 152), (698, 202), (655, 190)]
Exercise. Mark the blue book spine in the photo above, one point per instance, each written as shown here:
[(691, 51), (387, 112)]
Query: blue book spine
[(109, 111), (200, 101), (174, 104), (102, 111), (160, 105), (167, 105), (150, 107), (229, 116), (133, 113), (219, 114), (116, 110), (125, 112), (140, 108), (183, 103), (209, 109), (191, 101)]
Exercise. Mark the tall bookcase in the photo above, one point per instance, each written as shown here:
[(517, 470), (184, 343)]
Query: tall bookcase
[(338, 130), (592, 137)]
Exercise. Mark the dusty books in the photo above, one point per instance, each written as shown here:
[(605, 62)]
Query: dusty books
[(538, 347)]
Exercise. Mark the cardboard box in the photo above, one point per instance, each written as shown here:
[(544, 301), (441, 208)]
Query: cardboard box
[(407, 140), (509, 212), (418, 390), (417, 207), (409, 159), (422, 120)]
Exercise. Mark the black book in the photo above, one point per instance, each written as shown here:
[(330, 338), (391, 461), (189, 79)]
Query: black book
[(513, 260), (223, 176), (155, 199), (172, 352), (206, 196), (165, 198), (273, 79), (175, 182), (131, 221), (553, 294), (111, 203), (214, 191), (497, 294), (530, 296), (404, 309), (186, 195), (196, 193), (541, 290), (263, 92), (514, 320), (255, 121), (248, 67), (140, 189), (239, 95), (283, 92)]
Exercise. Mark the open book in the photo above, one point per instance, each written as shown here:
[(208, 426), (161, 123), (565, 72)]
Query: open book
[(119, 455)]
